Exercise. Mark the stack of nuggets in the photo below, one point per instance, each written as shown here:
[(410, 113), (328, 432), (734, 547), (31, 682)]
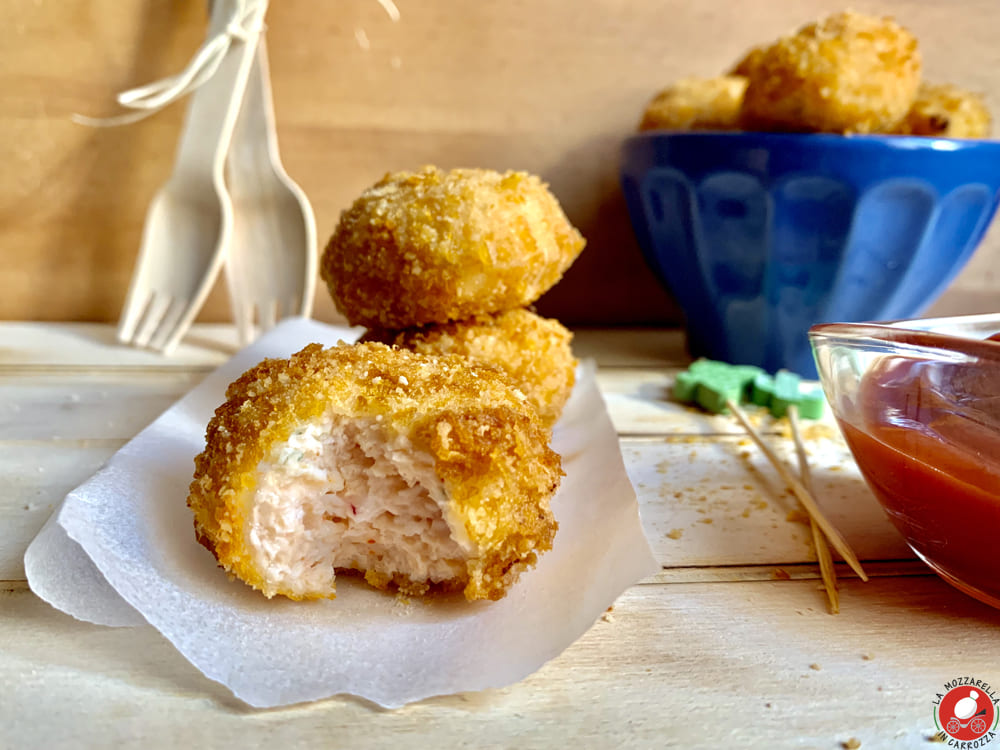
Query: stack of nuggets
[(448, 262), (424, 465)]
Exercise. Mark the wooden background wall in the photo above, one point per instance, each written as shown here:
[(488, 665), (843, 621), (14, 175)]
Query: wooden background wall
[(550, 86)]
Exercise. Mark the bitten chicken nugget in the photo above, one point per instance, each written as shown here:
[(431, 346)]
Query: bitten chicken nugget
[(434, 246), (416, 471), (697, 104), (848, 73), (947, 111), (534, 351)]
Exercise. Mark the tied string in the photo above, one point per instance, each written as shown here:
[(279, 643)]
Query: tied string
[(246, 20)]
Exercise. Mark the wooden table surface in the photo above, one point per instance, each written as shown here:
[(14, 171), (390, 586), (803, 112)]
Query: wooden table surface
[(730, 645)]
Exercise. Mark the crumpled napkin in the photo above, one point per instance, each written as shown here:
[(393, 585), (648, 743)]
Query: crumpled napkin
[(121, 551)]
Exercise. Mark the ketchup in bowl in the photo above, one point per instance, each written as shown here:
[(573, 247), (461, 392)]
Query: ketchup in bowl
[(923, 424)]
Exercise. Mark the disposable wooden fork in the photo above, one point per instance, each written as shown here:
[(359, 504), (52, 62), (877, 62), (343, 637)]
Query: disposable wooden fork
[(190, 221), (272, 259)]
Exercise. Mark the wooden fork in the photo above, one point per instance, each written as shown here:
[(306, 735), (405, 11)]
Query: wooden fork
[(190, 221)]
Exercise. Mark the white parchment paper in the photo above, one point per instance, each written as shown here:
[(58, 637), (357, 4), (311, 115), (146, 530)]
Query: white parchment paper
[(121, 551)]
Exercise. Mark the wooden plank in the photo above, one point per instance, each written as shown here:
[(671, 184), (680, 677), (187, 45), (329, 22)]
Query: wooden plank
[(87, 406), (35, 477), (717, 501), (82, 346), (690, 666)]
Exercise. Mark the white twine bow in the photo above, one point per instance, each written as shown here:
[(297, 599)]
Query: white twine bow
[(246, 20)]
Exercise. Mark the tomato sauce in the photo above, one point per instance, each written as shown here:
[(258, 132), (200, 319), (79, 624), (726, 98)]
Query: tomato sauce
[(927, 438)]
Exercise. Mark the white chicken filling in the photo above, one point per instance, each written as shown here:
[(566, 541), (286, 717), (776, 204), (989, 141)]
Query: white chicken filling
[(338, 494)]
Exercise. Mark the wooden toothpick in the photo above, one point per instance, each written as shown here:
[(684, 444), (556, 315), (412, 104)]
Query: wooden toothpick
[(823, 556), (804, 496)]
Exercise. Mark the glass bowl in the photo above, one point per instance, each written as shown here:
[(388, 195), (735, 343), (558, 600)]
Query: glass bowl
[(918, 403)]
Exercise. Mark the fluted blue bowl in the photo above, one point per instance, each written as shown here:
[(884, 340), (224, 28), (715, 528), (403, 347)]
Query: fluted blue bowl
[(759, 236)]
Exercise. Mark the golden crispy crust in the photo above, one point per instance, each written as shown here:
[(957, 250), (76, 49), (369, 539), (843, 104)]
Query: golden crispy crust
[(748, 62), (534, 351), (433, 246), (489, 448), (697, 104), (848, 73), (947, 111)]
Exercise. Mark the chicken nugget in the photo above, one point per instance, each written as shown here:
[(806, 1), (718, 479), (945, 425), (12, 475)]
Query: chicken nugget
[(697, 104), (533, 351), (419, 472), (748, 62), (433, 246), (947, 111), (849, 73)]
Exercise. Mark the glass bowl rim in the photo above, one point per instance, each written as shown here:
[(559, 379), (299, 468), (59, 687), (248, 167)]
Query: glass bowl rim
[(911, 335)]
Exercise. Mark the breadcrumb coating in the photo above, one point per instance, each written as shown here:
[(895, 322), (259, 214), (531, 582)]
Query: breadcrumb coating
[(697, 104), (486, 446), (748, 62), (849, 73), (947, 111), (434, 246), (533, 351)]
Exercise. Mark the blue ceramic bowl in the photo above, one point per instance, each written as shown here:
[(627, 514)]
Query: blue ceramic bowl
[(759, 236)]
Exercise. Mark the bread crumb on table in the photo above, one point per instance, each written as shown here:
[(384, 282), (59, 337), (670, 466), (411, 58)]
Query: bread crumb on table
[(852, 743)]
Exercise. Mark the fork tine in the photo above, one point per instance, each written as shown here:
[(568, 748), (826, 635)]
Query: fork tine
[(132, 313), (157, 308), (268, 313), (243, 314), (168, 324), (184, 320), (292, 307)]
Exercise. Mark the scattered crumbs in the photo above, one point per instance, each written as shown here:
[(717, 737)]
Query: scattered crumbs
[(867, 657), (852, 743), (797, 516), (816, 668), (936, 737), (705, 520), (675, 533), (607, 617), (610, 609)]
